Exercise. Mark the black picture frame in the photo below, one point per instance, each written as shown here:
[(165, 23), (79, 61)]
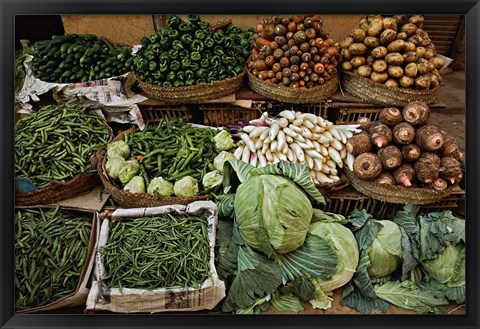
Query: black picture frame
[(471, 9)]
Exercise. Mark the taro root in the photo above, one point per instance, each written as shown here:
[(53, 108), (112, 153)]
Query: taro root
[(416, 113), (427, 168), (451, 170), (359, 143), (403, 133), (390, 156), (438, 184), (450, 147), (429, 138), (390, 116), (385, 178), (411, 152), (380, 134), (404, 175), (367, 166), (364, 122)]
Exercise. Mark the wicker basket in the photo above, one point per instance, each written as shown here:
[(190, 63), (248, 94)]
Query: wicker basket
[(290, 95), (377, 93), (192, 94), (397, 194), (135, 200), (166, 113)]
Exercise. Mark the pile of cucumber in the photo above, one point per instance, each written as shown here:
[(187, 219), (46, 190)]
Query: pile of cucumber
[(73, 58)]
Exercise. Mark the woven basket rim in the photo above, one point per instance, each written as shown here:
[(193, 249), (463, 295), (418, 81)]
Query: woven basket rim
[(398, 194), (291, 95)]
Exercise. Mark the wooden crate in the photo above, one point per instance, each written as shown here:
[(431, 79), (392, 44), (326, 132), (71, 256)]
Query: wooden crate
[(155, 113), (351, 115)]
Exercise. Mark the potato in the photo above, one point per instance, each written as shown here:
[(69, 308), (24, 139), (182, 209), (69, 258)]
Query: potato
[(426, 39), (379, 65), (371, 18), (379, 77), (347, 66), (429, 54), (379, 52), (431, 46), (410, 57), (420, 51), (358, 35), (370, 60), (392, 83), (395, 71), (364, 71), (436, 74), (357, 61), (423, 68), (434, 81), (411, 70), (345, 43), (388, 36), (400, 19), (363, 24), (394, 59), (417, 40), (358, 49), (406, 82), (408, 46), (410, 28), (423, 81), (437, 62), (371, 42), (402, 36), (375, 27), (346, 54), (417, 20), (396, 46), (390, 23)]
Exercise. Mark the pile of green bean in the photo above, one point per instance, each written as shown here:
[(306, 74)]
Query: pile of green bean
[(163, 251), (50, 250), (173, 150), (57, 142)]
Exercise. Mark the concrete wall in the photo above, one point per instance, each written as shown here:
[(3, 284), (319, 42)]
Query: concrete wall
[(128, 29)]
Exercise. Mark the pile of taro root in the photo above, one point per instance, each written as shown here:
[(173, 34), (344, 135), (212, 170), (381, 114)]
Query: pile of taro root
[(403, 149)]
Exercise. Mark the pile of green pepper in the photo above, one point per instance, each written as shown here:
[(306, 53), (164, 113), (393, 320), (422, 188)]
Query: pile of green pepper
[(157, 252), (79, 58), (185, 54), (173, 150), (50, 250), (57, 142)]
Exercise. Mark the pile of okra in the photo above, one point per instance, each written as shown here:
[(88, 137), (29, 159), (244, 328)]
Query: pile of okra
[(56, 143), (173, 149), (163, 251), (51, 247)]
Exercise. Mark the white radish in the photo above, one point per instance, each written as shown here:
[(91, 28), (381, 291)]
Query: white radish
[(323, 139), (285, 149), (290, 155), (328, 135), (343, 135), (335, 178), (289, 115), (275, 158), (253, 159), (343, 153), (350, 160), (330, 163), (269, 155), (296, 129), (321, 122), (317, 129), (317, 146), (290, 132), (274, 129), (257, 131), (315, 181), (289, 139), (309, 161), (250, 144), (335, 133), (299, 138), (238, 153), (264, 134), (246, 155), (281, 140), (314, 154), (298, 152), (264, 148), (259, 144), (329, 124), (273, 146), (324, 150), (309, 124), (267, 140), (306, 132), (318, 164), (298, 122), (248, 129), (322, 178), (262, 161), (325, 169), (281, 156), (335, 156), (334, 171), (304, 146), (337, 145), (282, 122)]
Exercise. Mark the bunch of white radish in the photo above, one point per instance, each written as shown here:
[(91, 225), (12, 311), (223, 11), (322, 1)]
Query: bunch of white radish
[(298, 138)]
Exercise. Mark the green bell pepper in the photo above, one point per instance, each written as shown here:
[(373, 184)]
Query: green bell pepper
[(195, 56), (194, 66), (173, 21), (204, 26), (181, 75), (185, 63), (189, 82), (167, 84), (200, 34), (189, 74), (177, 45), (177, 83), (173, 54), (186, 38), (194, 19), (197, 46), (171, 76), (201, 73), (152, 66), (209, 42), (173, 34), (184, 27), (204, 63), (175, 65)]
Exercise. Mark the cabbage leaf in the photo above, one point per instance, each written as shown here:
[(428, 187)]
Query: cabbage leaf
[(286, 302)]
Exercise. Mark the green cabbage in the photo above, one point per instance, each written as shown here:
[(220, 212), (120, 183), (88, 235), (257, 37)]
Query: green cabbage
[(448, 266), (160, 187), (114, 165), (272, 214), (212, 179), (223, 141), (221, 158), (135, 185), (186, 187), (118, 148), (130, 169), (385, 252)]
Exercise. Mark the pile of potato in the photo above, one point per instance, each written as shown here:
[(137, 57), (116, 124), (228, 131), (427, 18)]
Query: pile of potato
[(394, 51)]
